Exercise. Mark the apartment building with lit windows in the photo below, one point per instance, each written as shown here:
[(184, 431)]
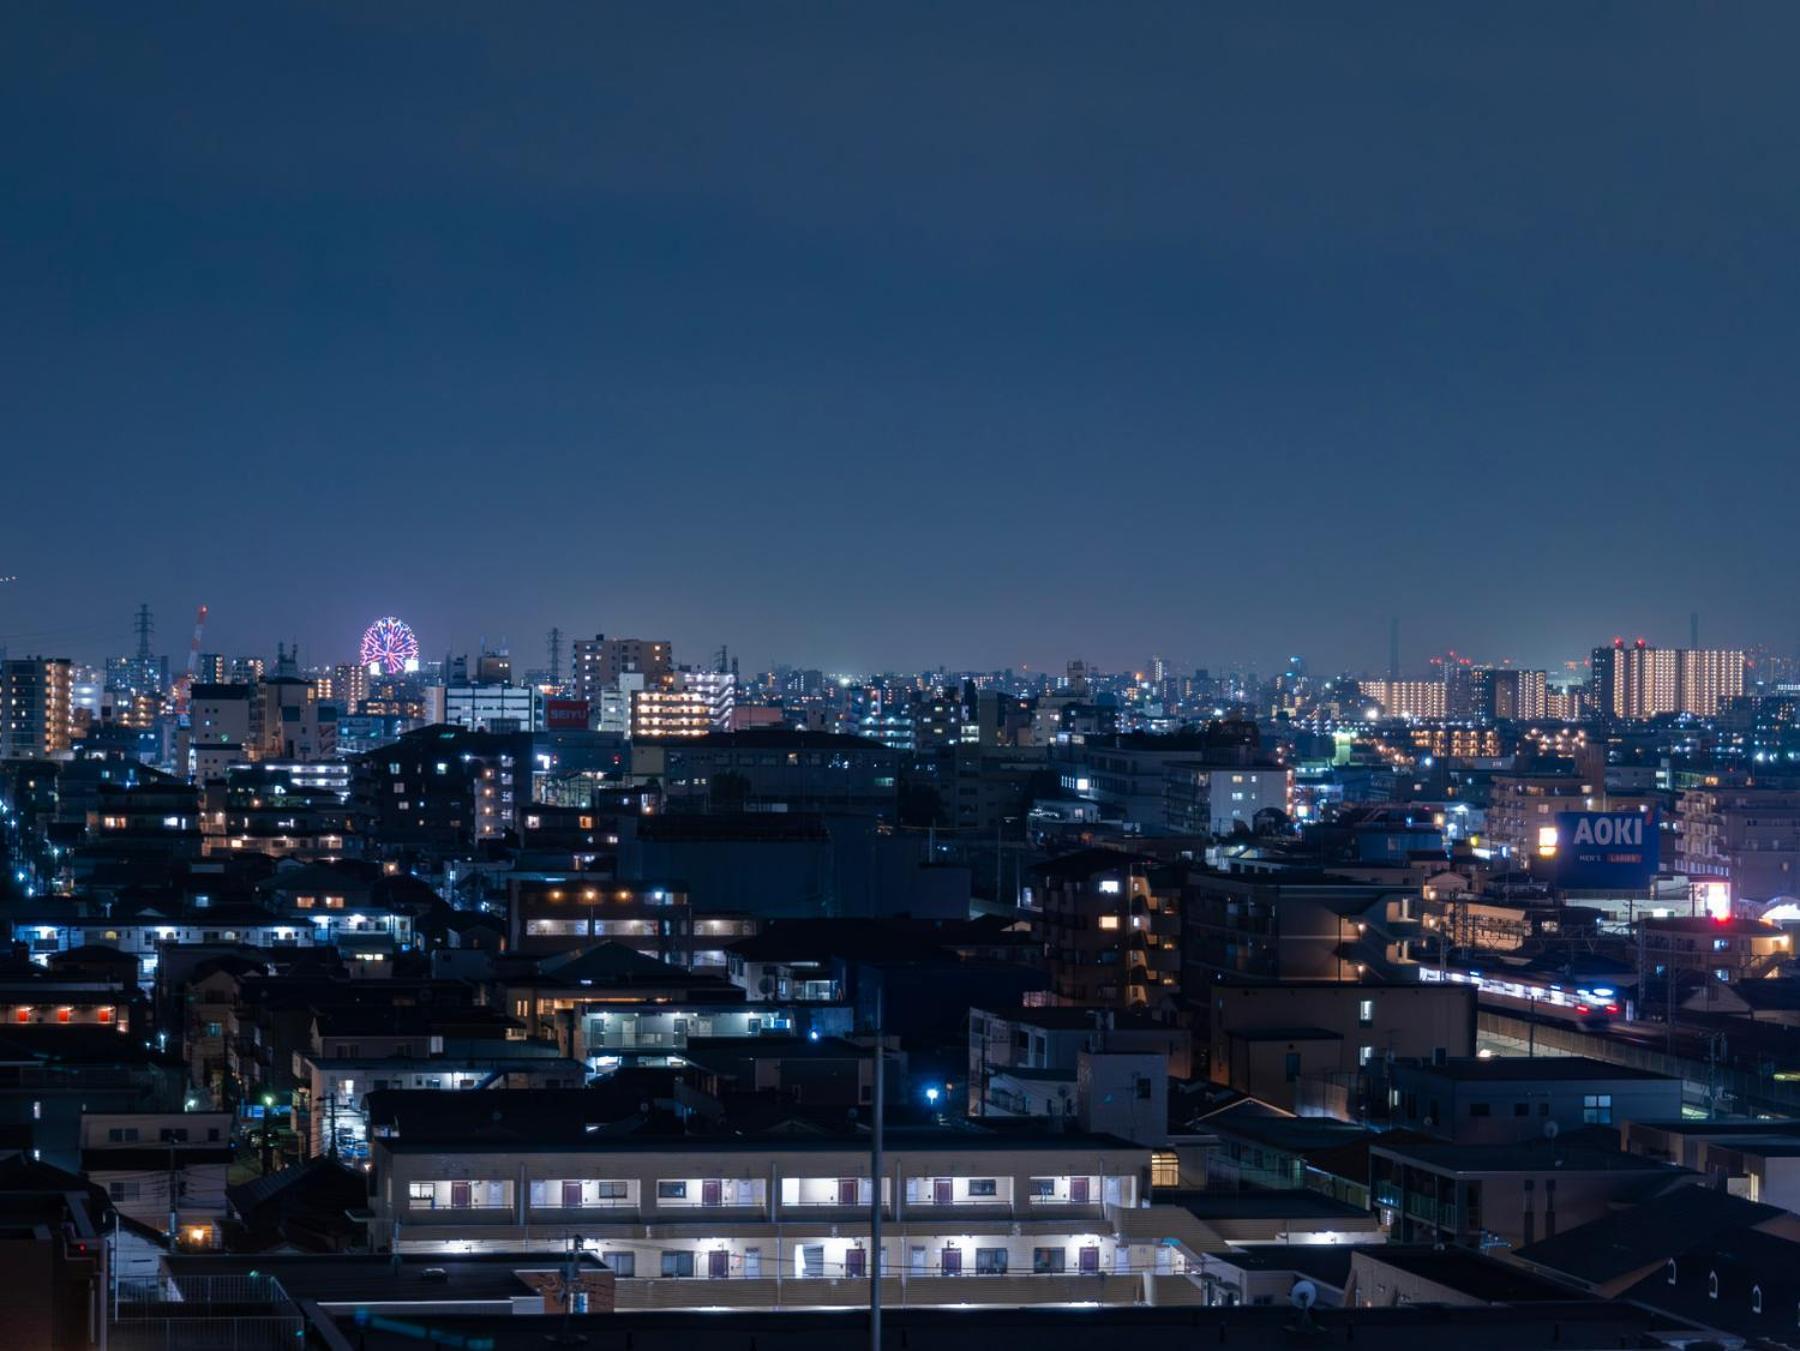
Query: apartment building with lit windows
[(742, 1222), (1747, 833), (36, 707), (597, 663), (444, 787), (670, 707), (566, 912), (1405, 698), (1639, 681), (1112, 938)]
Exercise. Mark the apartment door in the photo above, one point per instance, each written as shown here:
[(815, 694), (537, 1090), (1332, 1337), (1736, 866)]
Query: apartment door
[(710, 1192), (846, 1191), (718, 1263), (752, 1263), (856, 1262), (952, 1261), (940, 1191), (915, 1260), (1078, 1190), (459, 1195), (1087, 1261), (571, 1195)]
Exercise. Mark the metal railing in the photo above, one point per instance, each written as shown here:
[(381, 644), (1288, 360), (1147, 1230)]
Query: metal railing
[(204, 1313)]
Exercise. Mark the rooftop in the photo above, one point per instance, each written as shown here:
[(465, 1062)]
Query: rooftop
[(1068, 1018), (1029, 1136), (1537, 1156), (332, 1278), (1265, 1205), (1575, 1323), (1510, 1069), (1619, 1244), (1470, 1273)]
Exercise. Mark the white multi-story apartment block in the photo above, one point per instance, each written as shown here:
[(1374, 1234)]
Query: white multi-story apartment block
[(748, 1223)]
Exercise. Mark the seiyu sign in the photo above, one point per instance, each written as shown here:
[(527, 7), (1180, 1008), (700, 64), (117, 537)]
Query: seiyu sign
[(1597, 851)]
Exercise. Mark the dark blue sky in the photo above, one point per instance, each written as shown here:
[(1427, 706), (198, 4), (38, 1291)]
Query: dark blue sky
[(874, 336)]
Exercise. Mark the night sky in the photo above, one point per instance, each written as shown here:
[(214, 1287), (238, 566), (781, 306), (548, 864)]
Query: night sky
[(882, 336)]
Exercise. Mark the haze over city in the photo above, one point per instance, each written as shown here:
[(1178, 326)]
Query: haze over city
[(977, 335)]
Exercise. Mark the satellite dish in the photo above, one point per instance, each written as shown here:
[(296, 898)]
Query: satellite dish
[(1304, 1295), (1551, 1130)]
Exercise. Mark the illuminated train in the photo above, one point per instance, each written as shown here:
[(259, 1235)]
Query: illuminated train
[(1593, 1007)]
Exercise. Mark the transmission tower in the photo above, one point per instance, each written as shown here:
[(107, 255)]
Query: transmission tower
[(144, 625), (554, 643)]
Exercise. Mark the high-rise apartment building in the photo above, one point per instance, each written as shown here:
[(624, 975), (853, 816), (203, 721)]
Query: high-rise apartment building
[(670, 707), (1640, 681), (1504, 694), (1406, 698), (1709, 677), (350, 686), (597, 663), (719, 689), (36, 695)]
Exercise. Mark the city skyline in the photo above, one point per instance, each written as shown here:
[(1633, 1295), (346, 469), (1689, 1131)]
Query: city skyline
[(978, 336), (532, 654)]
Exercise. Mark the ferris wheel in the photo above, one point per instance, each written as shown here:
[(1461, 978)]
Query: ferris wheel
[(389, 647)]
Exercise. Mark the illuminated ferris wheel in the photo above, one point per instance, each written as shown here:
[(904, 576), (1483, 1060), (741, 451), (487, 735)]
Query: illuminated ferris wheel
[(389, 647)]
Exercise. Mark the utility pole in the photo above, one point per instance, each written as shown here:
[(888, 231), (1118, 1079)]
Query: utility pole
[(1715, 1052), (875, 1181)]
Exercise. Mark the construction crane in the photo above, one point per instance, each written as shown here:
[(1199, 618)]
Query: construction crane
[(185, 685)]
